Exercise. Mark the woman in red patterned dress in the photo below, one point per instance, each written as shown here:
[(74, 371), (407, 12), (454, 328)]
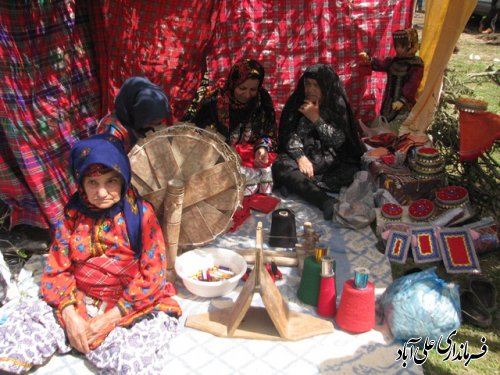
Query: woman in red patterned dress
[(105, 274)]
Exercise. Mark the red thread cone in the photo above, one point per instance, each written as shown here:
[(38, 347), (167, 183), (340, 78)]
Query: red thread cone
[(356, 311), (327, 300)]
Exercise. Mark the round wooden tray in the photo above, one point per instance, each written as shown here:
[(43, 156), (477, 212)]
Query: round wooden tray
[(209, 169)]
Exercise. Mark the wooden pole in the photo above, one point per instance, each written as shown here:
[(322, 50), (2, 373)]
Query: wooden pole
[(306, 248), (174, 198)]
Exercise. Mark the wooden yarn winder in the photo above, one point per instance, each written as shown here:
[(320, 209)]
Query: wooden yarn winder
[(273, 322)]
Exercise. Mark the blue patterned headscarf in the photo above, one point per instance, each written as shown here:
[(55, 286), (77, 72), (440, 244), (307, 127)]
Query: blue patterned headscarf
[(107, 150)]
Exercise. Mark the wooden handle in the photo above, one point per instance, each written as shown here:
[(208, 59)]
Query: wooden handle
[(171, 225)]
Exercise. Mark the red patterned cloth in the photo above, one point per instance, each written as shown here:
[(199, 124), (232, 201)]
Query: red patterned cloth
[(478, 132), (49, 99), (286, 36), (165, 41), (50, 95)]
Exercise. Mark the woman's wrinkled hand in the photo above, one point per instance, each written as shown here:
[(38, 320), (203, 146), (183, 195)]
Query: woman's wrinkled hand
[(261, 157), (76, 329), (101, 325), (305, 166)]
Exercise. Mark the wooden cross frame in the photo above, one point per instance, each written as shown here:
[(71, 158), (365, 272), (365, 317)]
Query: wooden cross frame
[(273, 322)]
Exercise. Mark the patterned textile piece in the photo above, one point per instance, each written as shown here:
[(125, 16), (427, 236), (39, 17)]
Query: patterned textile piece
[(105, 277), (165, 41), (425, 246), (30, 336), (286, 36), (140, 349), (398, 246), (49, 99), (458, 251)]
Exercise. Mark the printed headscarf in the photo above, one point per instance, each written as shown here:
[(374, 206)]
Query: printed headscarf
[(106, 150), (140, 102), (334, 106), (241, 71)]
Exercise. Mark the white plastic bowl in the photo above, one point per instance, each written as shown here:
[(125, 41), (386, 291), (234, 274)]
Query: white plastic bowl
[(193, 261)]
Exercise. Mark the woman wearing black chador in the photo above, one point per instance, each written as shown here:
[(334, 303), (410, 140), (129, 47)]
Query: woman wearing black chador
[(319, 146)]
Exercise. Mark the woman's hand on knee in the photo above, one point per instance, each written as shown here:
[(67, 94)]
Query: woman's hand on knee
[(305, 166)]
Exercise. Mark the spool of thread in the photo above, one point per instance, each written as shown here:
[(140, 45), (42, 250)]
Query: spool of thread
[(361, 277), (283, 230), (327, 299), (320, 251), (356, 312), (308, 291)]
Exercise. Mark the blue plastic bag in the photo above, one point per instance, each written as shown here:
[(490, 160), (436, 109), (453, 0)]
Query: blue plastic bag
[(422, 305)]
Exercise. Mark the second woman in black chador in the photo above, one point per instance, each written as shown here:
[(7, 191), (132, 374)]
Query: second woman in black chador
[(319, 146)]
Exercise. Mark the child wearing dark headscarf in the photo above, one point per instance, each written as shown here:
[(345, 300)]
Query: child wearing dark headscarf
[(139, 106), (319, 144), (242, 111)]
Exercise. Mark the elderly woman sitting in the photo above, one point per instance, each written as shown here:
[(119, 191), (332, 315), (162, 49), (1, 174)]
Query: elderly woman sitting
[(105, 276)]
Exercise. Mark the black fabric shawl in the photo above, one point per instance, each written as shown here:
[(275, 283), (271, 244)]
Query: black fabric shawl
[(334, 108)]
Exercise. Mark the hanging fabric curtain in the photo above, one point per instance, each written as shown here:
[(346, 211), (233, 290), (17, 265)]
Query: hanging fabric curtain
[(49, 99)]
